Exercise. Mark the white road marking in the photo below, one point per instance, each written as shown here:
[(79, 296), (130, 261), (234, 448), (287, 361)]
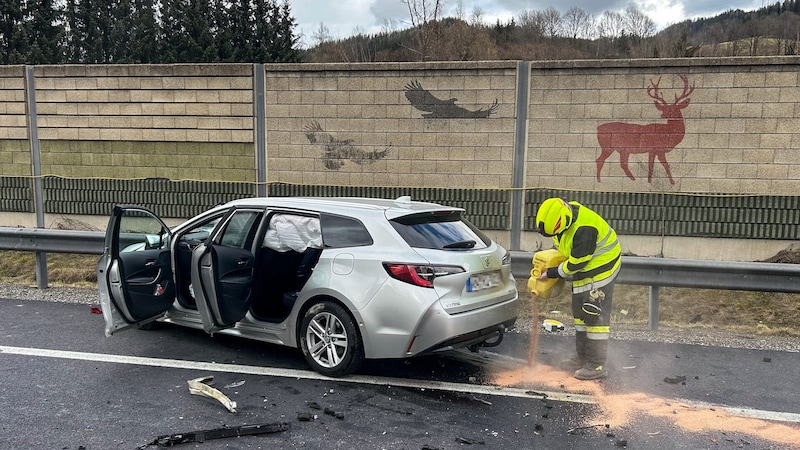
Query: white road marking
[(301, 374), (362, 379)]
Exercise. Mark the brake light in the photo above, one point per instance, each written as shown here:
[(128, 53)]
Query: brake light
[(419, 275)]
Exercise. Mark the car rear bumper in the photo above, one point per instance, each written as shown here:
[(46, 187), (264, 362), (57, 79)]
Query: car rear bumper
[(442, 331), (493, 333)]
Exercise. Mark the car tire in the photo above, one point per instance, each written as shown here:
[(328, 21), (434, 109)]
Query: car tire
[(330, 340)]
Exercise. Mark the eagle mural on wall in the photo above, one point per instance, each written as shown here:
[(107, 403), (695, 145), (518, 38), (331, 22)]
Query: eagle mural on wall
[(437, 108), (337, 151)]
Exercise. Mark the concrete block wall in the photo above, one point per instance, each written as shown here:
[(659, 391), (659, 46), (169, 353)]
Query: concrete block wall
[(181, 122), (15, 152), (445, 128), (353, 125), (742, 125)]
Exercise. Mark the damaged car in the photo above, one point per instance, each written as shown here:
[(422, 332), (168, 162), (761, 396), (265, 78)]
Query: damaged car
[(342, 279)]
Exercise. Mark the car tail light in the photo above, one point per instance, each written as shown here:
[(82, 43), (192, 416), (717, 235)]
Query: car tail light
[(419, 275)]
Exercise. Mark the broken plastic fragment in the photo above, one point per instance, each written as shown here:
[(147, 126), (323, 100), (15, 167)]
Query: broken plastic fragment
[(552, 325), (201, 386), (675, 380)]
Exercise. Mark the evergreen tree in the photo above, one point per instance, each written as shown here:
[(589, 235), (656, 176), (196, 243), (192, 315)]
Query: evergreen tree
[(12, 33), (90, 23), (287, 42), (241, 30), (144, 38), (221, 30), (199, 40), (173, 31), (121, 26), (44, 32)]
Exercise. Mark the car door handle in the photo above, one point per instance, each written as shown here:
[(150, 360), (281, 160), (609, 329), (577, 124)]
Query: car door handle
[(150, 263), (242, 261)]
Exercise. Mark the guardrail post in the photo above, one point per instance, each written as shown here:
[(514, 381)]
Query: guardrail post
[(653, 308)]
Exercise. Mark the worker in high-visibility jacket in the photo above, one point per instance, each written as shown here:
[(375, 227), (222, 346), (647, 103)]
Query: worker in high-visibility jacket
[(593, 260)]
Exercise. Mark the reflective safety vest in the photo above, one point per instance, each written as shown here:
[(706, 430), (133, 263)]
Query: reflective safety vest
[(592, 250)]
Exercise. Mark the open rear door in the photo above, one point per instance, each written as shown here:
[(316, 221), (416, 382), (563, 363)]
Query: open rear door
[(223, 270), (134, 274)]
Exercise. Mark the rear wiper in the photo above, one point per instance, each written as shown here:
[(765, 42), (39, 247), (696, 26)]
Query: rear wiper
[(461, 244)]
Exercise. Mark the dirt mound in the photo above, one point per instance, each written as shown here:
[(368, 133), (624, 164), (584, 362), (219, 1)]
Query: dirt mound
[(788, 256)]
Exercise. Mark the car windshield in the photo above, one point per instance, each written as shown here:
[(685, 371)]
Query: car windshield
[(440, 230)]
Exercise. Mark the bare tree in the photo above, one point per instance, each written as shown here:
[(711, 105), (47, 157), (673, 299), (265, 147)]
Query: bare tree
[(321, 34), (531, 24), (424, 16), (423, 11), (388, 26), (476, 18), (551, 21), (637, 23), (578, 23), (610, 25)]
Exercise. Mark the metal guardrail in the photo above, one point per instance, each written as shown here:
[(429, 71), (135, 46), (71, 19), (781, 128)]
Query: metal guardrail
[(690, 273), (52, 241), (636, 270)]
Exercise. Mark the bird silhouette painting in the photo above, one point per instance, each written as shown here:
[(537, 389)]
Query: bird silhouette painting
[(338, 151), (436, 108)]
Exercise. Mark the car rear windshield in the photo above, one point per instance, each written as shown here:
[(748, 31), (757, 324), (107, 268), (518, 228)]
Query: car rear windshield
[(445, 230)]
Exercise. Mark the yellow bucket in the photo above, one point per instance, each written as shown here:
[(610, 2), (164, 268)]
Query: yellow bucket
[(543, 260)]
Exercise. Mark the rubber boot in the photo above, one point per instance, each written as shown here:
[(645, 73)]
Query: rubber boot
[(577, 360), (595, 366)]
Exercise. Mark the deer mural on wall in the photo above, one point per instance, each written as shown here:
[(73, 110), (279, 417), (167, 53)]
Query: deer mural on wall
[(655, 139)]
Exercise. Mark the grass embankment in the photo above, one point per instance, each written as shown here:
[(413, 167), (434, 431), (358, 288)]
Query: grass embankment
[(748, 312), (62, 269), (764, 313)]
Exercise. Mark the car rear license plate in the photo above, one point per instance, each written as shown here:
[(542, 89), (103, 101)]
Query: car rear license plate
[(482, 281)]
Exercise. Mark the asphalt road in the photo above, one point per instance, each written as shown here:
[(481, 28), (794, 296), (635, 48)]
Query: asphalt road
[(66, 386)]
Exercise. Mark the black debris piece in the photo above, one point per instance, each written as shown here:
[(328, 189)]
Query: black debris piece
[(313, 405), (305, 417), (169, 440), (539, 394), (675, 380), (538, 427), (622, 443), (338, 415), (767, 359), (469, 441)]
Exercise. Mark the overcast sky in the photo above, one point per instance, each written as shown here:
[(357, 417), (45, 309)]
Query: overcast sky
[(344, 18)]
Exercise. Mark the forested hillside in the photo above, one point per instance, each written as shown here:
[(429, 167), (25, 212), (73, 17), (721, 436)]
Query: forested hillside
[(174, 31)]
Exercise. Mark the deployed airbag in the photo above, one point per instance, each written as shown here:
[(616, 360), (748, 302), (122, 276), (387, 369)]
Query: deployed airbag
[(292, 232)]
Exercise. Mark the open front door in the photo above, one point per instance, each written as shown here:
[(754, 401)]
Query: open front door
[(223, 270), (134, 274)]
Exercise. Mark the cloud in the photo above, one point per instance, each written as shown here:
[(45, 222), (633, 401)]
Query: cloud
[(344, 18)]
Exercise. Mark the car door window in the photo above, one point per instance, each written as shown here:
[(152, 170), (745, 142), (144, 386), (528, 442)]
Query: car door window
[(140, 231), (339, 232), (240, 229)]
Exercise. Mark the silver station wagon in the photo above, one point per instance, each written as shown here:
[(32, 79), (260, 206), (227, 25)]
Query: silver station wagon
[(343, 279)]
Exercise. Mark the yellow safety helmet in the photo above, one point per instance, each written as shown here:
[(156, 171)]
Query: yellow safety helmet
[(553, 217)]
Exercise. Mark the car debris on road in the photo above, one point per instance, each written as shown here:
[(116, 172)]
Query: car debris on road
[(202, 386)]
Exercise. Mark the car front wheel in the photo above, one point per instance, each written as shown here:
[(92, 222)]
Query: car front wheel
[(330, 340)]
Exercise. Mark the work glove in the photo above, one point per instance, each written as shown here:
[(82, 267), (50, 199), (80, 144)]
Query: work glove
[(592, 306)]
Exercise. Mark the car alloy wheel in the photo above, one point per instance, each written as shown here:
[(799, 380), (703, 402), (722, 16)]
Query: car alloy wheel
[(330, 341)]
